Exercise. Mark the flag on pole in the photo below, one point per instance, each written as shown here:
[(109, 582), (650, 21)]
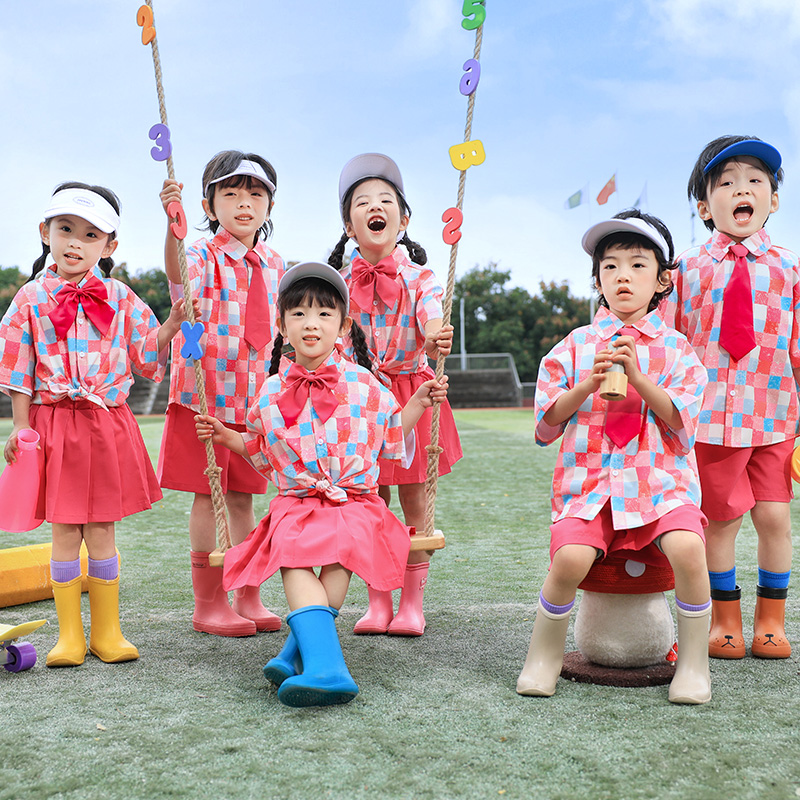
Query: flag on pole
[(607, 190), (574, 200), (642, 201)]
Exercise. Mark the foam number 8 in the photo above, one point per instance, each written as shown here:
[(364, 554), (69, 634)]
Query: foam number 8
[(469, 8), (453, 219), (471, 77), (144, 18), (463, 156), (179, 228), (159, 133)]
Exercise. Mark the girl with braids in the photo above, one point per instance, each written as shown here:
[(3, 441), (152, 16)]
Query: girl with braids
[(398, 303), (68, 344), (318, 428)]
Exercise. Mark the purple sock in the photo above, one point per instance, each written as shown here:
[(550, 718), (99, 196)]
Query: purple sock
[(552, 609), (107, 569), (690, 607), (65, 571)]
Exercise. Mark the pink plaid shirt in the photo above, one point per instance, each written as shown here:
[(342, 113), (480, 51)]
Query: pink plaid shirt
[(753, 401), (656, 472), (233, 371), (396, 336), (338, 457), (85, 364)]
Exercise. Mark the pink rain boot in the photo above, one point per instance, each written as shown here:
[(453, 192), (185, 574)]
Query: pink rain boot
[(410, 620), (247, 603), (379, 614), (212, 612)]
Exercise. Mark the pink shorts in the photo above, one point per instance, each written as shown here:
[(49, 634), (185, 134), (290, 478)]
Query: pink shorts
[(732, 479), (182, 459), (638, 544)]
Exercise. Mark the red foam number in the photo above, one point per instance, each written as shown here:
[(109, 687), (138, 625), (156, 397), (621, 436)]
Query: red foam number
[(451, 233), (144, 18), (179, 228), (470, 8)]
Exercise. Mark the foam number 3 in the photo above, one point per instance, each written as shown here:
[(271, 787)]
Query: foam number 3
[(144, 18), (470, 8), (453, 219), (471, 78), (463, 156), (159, 133), (179, 228)]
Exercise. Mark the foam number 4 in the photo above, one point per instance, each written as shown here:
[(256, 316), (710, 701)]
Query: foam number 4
[(470, 8), (471, 78), (463, 156), (159, 133), (144, 18), (453, 219), (179, 228)]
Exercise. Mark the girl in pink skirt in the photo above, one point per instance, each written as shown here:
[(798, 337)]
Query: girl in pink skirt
[(399, 305), (318, 428), (68, 344)]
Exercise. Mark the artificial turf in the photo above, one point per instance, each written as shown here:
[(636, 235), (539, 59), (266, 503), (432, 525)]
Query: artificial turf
[(437, 717)]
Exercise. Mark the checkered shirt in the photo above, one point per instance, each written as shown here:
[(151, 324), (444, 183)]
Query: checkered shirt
[(396, 336), (233, 371), (338, 457), (753, 401), (83, 365), (651, 475)]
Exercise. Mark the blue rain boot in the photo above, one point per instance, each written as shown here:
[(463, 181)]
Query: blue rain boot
[(325, 680)]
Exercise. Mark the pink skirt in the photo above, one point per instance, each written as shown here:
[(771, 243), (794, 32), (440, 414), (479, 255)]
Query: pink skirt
[(96, 466), (362, 535), (392, 474)]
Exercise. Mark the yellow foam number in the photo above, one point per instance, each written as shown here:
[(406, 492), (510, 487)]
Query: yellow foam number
[(144, 18), (470, 8), (463, 156)]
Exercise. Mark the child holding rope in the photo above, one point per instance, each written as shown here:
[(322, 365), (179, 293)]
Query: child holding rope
[(398, 304), (625, 480), (68, 343), (235, 277), (737, 299), (319, 426)]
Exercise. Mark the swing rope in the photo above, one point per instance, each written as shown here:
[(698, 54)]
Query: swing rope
[(434, 450), (212, 471)]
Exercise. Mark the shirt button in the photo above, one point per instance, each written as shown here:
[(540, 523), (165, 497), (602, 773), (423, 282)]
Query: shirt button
[(320, 441), (374, 302), (615, 472), (733, 393)]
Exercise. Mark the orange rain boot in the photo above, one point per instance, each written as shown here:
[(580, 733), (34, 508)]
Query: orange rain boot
[(725, 640), (70, 650), (105, 637), (769, 636), (247, 603), (212, 611)]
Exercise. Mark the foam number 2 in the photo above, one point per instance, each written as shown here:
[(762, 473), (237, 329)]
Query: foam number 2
[(159, 133), (463, 156), (471, 77), (144, 18), (453, 219), (470, 8), (179, 228)]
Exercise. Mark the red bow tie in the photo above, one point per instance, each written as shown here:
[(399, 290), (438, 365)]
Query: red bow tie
[(369, 280), (302, 384), (93, 296)]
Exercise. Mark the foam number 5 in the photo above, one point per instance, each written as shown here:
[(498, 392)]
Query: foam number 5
[(453, 219), (144, 18), (463, 156), (469, 8), (471, 78), (179, 228)]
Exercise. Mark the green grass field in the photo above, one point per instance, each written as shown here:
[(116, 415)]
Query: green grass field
[(437, 716)]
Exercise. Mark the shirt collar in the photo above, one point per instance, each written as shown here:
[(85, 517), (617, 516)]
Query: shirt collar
[(607, 324), (53, 282), (335, 358), (720, 244), (235, 249), (396, 255)]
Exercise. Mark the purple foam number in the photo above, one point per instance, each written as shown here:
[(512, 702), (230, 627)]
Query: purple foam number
[(470, 8), (471, 78), (159, 133)]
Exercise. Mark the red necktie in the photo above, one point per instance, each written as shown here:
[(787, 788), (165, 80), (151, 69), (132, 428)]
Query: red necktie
[(369, 280), (736, 327), (302, 384), (256, 315), (93, 296), (624, 417)]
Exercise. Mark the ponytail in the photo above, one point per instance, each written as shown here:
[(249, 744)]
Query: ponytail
[(415, 250), (277, 352), (40, 262), (360, 349), (336, 258)]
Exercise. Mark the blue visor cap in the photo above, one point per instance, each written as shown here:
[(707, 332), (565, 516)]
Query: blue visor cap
[(749, 147)]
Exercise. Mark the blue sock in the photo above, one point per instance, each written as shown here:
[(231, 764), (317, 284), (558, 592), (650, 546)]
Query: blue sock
[(105, 569), (773, 580), (555, 609), (725, 581), (65, 571)]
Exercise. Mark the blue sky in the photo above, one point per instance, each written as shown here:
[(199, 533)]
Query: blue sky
[(570, 93)]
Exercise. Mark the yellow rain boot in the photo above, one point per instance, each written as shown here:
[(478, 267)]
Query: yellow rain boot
[(70, 650), (105, 639)]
